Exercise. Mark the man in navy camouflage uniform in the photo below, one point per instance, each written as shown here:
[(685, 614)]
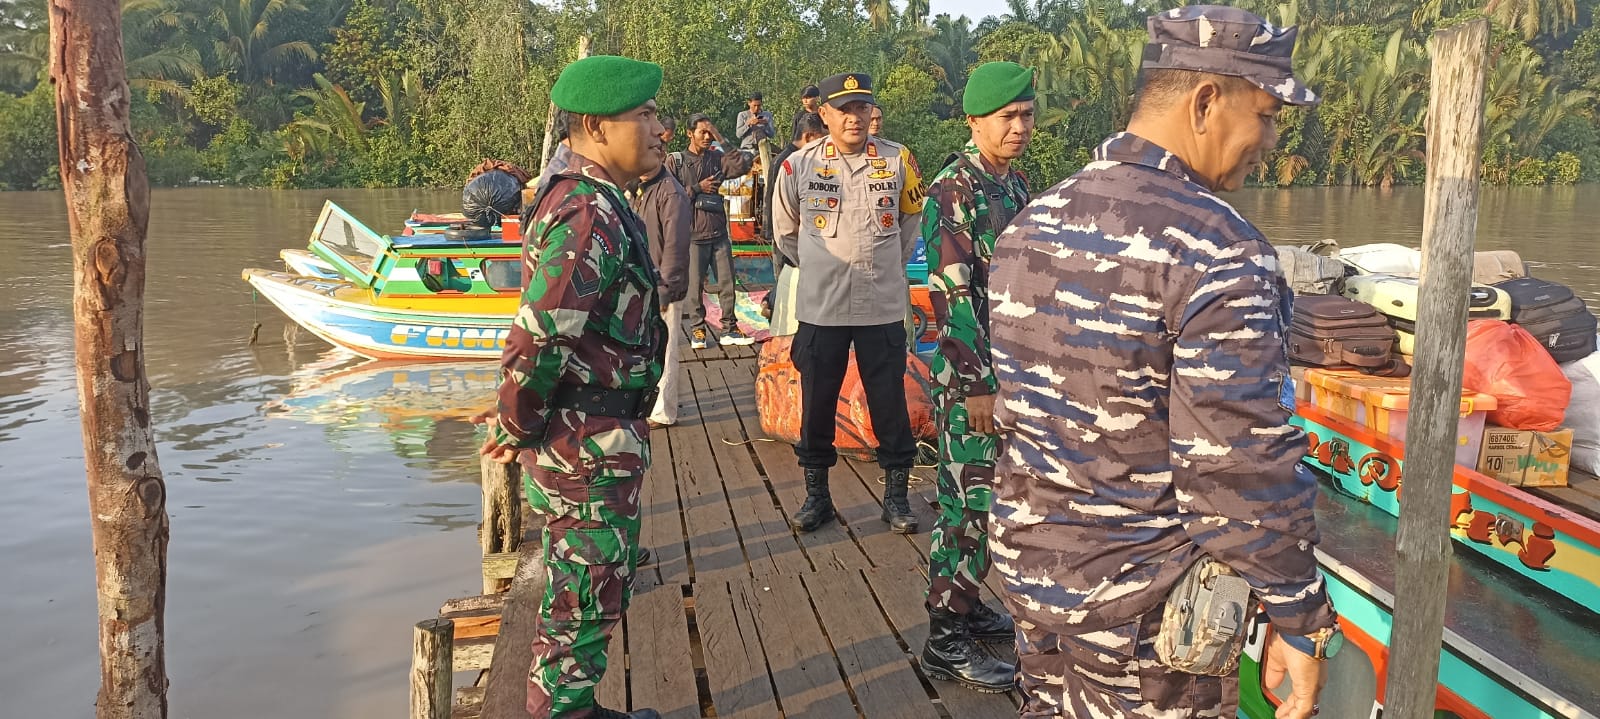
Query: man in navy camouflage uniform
[(1137, 324), (580, 370), (969, 202)]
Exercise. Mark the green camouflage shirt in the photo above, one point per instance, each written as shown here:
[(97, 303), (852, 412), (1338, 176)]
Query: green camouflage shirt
[(589, 315), (959, 226)]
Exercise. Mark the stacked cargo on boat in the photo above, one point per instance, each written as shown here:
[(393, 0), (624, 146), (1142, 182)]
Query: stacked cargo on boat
[(1353, 334)]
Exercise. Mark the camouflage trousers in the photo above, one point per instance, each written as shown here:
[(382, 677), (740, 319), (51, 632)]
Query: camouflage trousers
[(1114, 674), (958, 551), (590, 542)]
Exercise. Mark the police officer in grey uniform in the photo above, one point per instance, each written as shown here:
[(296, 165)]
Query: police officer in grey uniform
[(844, 214)]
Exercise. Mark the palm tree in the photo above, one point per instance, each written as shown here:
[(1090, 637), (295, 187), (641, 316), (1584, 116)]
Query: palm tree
[(245, 42), (24, 42), (334, 120), (954, 48), (880, 14), (1531, 17)]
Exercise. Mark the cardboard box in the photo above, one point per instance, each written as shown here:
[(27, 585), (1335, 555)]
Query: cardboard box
[(1525, 458)]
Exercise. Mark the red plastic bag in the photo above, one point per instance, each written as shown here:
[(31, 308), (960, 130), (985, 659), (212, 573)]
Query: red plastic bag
[(1528, 387), (778, 401)]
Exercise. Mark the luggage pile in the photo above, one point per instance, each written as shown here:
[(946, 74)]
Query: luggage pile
[(1355, 314)]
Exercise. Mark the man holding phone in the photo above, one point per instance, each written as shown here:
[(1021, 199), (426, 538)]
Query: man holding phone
[(755, 124)]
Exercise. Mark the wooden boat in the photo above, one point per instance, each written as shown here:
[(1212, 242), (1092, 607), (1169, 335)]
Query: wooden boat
[(1511, 650), (1548, 542), (1522, 639), (416, 296)]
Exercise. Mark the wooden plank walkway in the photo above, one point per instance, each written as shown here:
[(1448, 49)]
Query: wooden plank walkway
[(738, 616)]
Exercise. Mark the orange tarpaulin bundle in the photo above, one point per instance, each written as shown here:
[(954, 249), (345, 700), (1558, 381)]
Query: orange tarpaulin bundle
[(778, 401)]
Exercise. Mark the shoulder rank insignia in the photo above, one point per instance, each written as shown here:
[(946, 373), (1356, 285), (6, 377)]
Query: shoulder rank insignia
[(829, 151), (872, 149)]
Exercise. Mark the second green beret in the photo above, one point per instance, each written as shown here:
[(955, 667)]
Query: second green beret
[(994, 85), (606, 85)]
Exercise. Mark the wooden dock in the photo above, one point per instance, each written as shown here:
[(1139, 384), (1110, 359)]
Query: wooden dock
[(735, 615)]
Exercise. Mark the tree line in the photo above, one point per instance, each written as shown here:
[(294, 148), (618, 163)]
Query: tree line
[(400, 93)]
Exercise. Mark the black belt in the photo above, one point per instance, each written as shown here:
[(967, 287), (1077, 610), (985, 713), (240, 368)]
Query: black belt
[(605, 401)]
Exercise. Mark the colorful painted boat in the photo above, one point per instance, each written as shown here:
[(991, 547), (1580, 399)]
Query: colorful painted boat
[(1554, 545), (416, 296), (1511, 649), (1522, 640)]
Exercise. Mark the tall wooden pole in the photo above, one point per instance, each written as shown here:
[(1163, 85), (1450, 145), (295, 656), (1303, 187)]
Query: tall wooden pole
[(108, 209), (1450, 218)]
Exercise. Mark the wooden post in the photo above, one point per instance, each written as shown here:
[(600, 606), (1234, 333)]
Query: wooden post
[(1450, 217), (432, 647), (108, 210), (501, 530), (550, 116)]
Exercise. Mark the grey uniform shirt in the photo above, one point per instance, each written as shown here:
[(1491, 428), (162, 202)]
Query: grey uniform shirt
[(848, 222)]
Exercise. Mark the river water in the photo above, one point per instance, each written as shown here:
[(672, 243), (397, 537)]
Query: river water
[(319, 506)]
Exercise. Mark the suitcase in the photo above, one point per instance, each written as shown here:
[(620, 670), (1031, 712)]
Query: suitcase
[(1332, 331), (1553, 315), (1396, 298)]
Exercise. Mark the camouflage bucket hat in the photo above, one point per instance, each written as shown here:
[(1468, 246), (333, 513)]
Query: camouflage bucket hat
[(1227, 41)]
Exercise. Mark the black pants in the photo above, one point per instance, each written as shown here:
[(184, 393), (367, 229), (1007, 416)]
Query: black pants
[(711, 264), (822, 354)]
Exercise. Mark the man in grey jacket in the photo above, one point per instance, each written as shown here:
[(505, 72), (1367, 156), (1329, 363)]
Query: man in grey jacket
[(845, 213), (663, 204)]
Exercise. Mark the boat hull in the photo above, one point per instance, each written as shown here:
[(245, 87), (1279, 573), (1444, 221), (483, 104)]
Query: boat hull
[(346, 316), (1551, 545), (1510, 650)]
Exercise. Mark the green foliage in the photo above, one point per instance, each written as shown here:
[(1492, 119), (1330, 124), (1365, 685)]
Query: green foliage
[(1565, 168), (28, 154), (215, 100), (390, 93)]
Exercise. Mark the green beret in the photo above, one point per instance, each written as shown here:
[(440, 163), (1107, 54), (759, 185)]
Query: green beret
[(606, 85), (994, 85)]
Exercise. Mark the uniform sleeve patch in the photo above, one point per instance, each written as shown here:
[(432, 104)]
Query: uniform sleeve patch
[(787, 170)]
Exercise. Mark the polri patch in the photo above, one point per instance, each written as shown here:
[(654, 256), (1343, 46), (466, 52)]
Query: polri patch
[(886, 201)]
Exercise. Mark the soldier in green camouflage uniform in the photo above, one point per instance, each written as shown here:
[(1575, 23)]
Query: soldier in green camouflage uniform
[(580, 370), (969, 202)]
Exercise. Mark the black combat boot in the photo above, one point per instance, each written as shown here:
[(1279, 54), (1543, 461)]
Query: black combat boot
[(896, 511), (819, 504), (987, 625), (604, 713), (951, 655)]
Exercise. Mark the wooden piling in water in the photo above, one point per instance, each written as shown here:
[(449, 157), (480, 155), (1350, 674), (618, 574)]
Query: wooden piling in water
[(432, 651), (1422, 543), (108, 212), (501, 531)]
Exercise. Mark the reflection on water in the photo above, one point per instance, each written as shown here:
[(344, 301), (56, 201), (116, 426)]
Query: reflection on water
[(322, 504), (415, 407)]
